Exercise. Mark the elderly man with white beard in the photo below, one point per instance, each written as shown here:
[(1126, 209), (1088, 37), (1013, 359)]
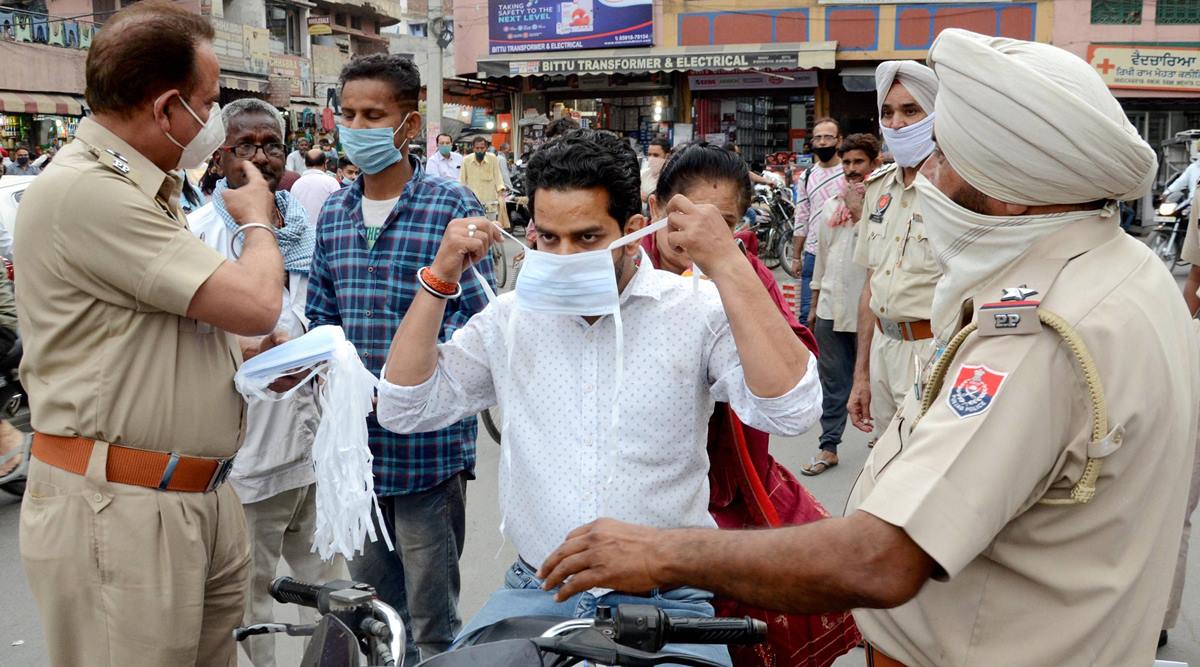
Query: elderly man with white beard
[(1025, 506)]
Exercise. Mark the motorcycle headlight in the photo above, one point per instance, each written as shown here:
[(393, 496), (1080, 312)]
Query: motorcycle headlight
[(1167, 208)]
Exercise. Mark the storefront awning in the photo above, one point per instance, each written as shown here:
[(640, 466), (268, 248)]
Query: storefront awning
[(13, 101), (731, 57), (252, 84)]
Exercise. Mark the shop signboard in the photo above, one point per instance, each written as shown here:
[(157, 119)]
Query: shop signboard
[(756, 80), (319, 25), (258, 49), (558, 25), (643, 62), (1147, 66)]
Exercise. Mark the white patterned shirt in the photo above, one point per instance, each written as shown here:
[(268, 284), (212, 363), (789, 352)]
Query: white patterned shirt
[(559, 469)]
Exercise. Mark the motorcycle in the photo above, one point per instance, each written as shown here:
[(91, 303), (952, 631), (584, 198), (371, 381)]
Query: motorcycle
[(354, 621), (519, 214), (1170, 226), (773, 213)]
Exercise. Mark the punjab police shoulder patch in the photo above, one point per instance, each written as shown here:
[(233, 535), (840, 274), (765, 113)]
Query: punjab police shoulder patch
[(974, 389)]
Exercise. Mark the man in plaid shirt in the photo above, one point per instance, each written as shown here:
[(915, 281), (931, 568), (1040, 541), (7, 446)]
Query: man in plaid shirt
[(372, 237)]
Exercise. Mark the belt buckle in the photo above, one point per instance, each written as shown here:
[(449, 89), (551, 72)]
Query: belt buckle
[(891, 329), (224, 466)]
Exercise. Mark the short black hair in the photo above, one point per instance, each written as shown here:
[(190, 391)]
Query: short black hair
[(701, 160), (439, 138), (827, 119), (560, 127), (867, 143), (396, 70), (479, 139), (344, 162), (584, 159), (661, 143)]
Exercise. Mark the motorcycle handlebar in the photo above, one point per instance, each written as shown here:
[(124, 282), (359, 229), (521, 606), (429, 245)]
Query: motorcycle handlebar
[(715, 631), (288, 590)]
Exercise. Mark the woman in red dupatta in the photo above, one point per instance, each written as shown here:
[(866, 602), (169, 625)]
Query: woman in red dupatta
[(748, 487)]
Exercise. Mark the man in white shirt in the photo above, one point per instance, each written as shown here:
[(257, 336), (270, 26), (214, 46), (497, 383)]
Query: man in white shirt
[(445, 162), (837, 282), (273, 472), (605, 416), (295, 159), (314, 185)]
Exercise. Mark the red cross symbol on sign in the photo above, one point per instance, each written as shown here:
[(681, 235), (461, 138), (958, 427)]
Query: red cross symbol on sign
[(1106, 66)]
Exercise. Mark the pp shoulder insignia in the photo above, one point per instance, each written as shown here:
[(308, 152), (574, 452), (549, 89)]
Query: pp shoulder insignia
[(973, 390), (113, 160), (881, 172), (1014, 314)]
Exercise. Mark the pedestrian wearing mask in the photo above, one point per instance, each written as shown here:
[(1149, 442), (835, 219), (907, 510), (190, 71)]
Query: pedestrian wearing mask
[(819, 182), (481, 173), (23, 165), (371, 238), (598, 421), (1026, 507), (445, 162), (656, 156), (135, 549), (895, 335), (273, 473)]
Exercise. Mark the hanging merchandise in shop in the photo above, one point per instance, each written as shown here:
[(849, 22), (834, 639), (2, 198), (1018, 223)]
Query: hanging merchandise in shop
[(551, 25)]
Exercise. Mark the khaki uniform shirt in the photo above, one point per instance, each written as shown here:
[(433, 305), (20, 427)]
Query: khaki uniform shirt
[(893, 245), (108, 270), (835, 274), (484, 178), (1024, 583)]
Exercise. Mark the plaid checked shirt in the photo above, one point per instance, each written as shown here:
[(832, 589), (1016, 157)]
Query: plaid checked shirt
[(367, 292)]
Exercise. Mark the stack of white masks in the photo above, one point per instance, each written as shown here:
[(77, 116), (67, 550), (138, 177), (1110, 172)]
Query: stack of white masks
[(345, 486)]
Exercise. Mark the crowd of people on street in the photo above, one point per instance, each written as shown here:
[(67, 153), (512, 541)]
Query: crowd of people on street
[(966, 296)]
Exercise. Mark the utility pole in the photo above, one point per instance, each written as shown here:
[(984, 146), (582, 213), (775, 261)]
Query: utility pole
[(434, 83)]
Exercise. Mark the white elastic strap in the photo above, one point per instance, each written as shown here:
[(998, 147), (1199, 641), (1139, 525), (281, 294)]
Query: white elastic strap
[(618, 381), (510, 331), (487, 289), (638, 235)]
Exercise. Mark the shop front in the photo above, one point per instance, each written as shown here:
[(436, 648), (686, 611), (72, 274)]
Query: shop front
[(750, 94), (38, 119)]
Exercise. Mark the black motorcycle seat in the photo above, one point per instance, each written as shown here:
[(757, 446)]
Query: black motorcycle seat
[(518, 627)]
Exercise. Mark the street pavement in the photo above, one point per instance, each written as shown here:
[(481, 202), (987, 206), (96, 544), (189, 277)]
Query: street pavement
[(487, 555)]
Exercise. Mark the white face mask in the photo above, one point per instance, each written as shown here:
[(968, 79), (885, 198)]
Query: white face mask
[(210, 137), (911, 144)]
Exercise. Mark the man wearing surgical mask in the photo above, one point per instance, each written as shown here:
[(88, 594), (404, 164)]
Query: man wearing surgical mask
[(656, 156), (607, 415), (372, 236), (135, 549), (895, 335)]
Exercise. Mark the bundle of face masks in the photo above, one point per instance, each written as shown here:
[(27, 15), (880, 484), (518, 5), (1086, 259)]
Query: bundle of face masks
[(341, 458)]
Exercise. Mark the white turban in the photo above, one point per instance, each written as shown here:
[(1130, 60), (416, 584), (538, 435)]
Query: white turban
[(917, 79), (1032, 124)]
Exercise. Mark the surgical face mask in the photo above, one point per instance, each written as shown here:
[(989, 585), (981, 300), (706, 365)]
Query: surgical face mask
[(373, 149), (825, 153), (210, 137), (479, 155), (444, 150), (23, 160), (911, 144)]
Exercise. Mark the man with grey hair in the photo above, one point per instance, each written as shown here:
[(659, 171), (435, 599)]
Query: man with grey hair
[(273, 473)]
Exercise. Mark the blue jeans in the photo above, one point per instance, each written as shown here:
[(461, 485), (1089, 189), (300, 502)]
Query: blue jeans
[(522, 596), (806, 271), (839, 349), (421, 578)]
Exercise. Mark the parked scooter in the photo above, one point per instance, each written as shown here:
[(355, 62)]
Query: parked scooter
[(1170, 226), (355, 623)]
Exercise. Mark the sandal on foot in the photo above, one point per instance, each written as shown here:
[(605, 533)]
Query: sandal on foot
[(811, 470)]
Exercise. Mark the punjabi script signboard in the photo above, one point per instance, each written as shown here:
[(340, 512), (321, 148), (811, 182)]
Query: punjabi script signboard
[(1147, 66)]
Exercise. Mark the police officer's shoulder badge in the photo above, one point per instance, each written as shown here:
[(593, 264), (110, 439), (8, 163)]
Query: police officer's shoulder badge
[(974, 389), (881, 207)]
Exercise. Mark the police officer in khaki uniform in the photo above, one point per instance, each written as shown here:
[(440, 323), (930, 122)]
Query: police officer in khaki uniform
[(894, 332), (1040, 477), (134, 549)]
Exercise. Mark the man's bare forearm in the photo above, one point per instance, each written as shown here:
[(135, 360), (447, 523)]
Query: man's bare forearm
[(829, 565), (413, 356), (773, 359)]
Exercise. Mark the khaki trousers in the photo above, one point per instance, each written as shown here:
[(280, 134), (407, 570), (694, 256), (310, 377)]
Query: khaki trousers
[(893, 372), (283, 525), (126, 575)]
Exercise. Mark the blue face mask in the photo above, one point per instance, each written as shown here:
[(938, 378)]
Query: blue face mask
[(444, 150), (373, 149)]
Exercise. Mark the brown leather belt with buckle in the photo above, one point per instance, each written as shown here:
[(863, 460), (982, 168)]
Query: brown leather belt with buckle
[(166, 471), (919, 330), (876, 658)]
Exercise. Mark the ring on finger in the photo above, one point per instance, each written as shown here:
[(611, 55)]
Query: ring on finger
[(471, 230)]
